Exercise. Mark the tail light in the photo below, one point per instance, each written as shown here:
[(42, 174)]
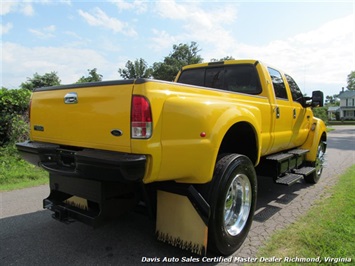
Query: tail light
[(141, 118)]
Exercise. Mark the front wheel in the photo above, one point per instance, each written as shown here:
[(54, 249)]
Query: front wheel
[(232, 198), (318, 164)]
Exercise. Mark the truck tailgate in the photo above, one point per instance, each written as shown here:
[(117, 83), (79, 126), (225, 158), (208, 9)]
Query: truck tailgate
[(92, 115)]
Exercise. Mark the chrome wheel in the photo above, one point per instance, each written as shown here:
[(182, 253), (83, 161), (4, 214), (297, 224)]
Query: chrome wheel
[(318, 164), (237, 204), (320, 159), (232, 198)]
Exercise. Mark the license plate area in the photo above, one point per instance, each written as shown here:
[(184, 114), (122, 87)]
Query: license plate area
[(89, 201)]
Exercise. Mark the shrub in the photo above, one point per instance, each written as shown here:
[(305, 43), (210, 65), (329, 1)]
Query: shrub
[(13, 115), (321, 112)]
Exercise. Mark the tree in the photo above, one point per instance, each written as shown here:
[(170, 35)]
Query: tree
[(46, 80), (332, 100), (321, 112), (93, 77), (351, 81), (137, 69), (13, 115), (183, 54), (223, 59)]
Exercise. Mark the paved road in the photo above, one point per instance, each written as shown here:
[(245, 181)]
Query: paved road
[(29, 236)]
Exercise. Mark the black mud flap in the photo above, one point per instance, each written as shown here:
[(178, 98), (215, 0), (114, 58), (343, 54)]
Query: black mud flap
[(89, 201)]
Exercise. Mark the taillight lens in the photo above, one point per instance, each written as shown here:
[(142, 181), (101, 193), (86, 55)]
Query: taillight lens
[(141, 118)]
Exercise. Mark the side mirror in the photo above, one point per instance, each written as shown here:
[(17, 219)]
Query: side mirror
[(317, 99)]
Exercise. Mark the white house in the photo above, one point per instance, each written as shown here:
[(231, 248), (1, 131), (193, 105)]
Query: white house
[(347, 105)]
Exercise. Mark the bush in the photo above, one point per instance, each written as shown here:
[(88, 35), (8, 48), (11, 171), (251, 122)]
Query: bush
[(321, 112), (14, 115)]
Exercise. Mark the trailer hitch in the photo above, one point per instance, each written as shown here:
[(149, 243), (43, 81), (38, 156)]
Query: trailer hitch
[(61, 214)]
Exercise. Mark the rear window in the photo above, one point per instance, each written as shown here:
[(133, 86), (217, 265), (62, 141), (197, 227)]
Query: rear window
[(237, 78)]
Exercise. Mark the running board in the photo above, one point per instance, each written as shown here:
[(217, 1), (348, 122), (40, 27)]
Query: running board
[(305, 171), (296, 175), (279, 164), (289, 179)]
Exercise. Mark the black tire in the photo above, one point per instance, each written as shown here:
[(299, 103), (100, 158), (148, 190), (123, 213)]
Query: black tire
[(232, 198), (318, 164)]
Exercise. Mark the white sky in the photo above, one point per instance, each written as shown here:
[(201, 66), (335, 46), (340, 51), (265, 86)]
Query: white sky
[(312, 41)]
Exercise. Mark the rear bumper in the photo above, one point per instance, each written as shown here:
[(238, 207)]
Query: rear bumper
[(84, 163)]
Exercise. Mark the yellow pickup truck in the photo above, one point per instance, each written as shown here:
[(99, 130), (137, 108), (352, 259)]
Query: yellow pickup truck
[(189, 151)]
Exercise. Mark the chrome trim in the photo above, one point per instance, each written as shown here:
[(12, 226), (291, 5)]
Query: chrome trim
[(71, 98), (237, 205), (320, 159)]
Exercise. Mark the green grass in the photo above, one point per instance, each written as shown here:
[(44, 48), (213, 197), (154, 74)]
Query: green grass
[(327, 230), (330, 129), (16, 173)]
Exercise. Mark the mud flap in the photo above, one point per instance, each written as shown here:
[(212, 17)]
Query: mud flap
[(182, 220), (89, 201)]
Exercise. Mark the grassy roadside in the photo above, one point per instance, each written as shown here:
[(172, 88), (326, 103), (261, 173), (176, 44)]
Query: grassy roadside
[(326, 231), (16, 173)]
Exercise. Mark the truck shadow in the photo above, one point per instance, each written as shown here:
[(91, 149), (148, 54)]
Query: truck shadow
[(269, 193), (129, 240), (37, 239)]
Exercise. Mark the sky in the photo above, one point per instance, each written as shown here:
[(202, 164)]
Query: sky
[(313, 41)]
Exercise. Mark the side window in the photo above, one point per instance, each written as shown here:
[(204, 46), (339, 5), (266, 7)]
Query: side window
[(278, 83), (297, 95)]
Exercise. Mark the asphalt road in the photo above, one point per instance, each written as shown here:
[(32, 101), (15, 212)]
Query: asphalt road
[(29, 236)]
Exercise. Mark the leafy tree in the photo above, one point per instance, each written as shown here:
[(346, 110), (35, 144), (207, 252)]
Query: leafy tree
[(321, 112), (13, 115), (329, 99), (37, 81), (223, 59), (137, 69), (183, 54), (332, 100), (351, 81), (93, 77)]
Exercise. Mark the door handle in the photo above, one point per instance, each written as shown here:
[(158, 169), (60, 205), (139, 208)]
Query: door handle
[(71, 98), (294, 113), (277, 111)]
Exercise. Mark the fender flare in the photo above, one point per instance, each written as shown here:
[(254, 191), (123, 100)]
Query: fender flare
[(316, 134), (233, 116)]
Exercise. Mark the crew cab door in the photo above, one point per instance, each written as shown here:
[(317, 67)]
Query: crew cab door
[(282, 113), (301, 116)]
